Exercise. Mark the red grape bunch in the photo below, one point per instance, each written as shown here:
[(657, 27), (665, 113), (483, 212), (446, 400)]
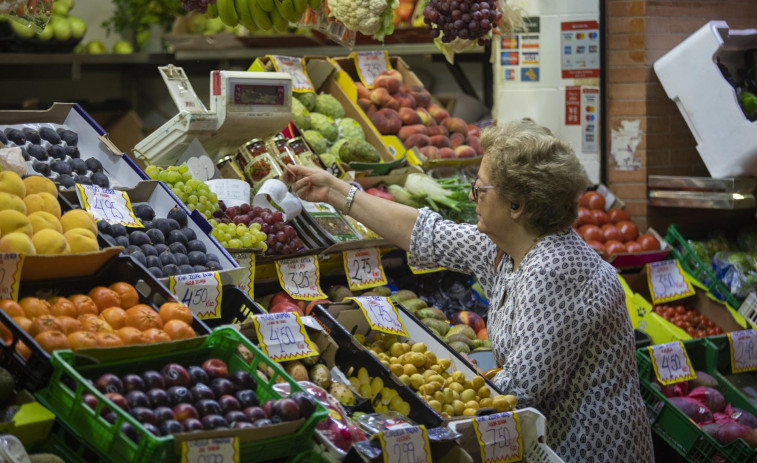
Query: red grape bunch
[(463, 19), (196, 5)]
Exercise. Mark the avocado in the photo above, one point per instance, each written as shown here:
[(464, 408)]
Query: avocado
[(438, 325), (414, 305), (463, 329), (460, 347), (402, 295), (431, 312), (459, 338)]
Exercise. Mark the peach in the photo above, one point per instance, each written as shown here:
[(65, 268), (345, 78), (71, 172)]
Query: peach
[(408, 130), (407, 101), (418, 140), (372, 110), (465, 151), (409, 116), (456, 139), (387, 121), (425, 117), (362, 91), (422, 98), (455, 124), (474, 143), (431, 152), (380, 96), (437, 130), (364, 104), (438, 113), (393, 73), (391, 83), (447, 153), (440, 141)]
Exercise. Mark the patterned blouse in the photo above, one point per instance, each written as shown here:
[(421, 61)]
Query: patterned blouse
[(560, 330)]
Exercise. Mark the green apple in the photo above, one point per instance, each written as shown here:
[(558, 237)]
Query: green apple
[(213, 26), (79, 48), (22, 30), (60, 9), (78, 27), (197, 23), (95, 47), (46, 34), (61, 28), (122, 47)]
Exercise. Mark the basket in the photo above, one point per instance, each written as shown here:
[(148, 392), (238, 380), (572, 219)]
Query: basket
[(33, 373), (107, 439), (677, 429), (236, 308), (698, 269)]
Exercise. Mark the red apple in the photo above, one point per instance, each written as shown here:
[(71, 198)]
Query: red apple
[(215, 368), (286, 307), (281, 296)]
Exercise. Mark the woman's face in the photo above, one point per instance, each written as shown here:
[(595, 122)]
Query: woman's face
[(493, 213)]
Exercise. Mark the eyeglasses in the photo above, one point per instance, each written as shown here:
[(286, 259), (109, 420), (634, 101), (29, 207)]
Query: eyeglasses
[(474, 188)]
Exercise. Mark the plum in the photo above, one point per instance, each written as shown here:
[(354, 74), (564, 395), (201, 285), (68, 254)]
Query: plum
[(158, 397), (191, 424), (692, 409), (254, 413), (215, 368), (178, 214), (306, 403), (222, 386), (168, 427), (243, 380), (202, 391), (208, 407), (179, 394), (129, 431), (262, 422), (117, 399), (198, 375), (235, 415), (144, 415), (132, 382), (136, 398), (214, 422), (110, 416), (240, 424), (164, 413), (228, 403), (196, 245), (184, 411), (109, 382), (247, 398), (286, 409)]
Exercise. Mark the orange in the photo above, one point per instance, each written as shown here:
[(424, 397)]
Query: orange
[(177, 329), (129, 295), (175, 311), (130, 336), (96, 325), (44, 323), (143, 317), (115, 316), (84, 304), (61, 306), (12, 308), (104, 297), (23, 322), (23, 351), (156, 335), (108, 340), (52, 340), (82, 340), (69, 324), (482, 334), (34, 307), (5, 334)]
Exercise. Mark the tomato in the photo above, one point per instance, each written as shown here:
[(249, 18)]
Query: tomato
[(680, 310), (628, 229), (591, 233), (648, 242), (592, 200), (585, 217), (611, 233), (600, 216), (617, 215), (599, 247), (633, 246), (614, 247)]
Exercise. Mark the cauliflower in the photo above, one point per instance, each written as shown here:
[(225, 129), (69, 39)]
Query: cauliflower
[(349, 128), (324, 125), (364, 16), (328, 105), (316, 141)]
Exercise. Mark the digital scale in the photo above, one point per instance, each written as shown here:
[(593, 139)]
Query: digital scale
[(243, 106)]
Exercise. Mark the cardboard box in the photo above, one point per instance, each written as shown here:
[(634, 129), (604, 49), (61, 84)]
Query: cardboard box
[(124, 128), (31, 423)]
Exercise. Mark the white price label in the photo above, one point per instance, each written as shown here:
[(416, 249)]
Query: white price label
[(109, 205), (743, 350), (299, 277), (201, 292), (499, 437), (666, 281), (10, 274), (216, 450), (247, 282), (370, 64), (295, 67), (282, 336), (363, 268), (671, 363), (381, 314), (405, 445)]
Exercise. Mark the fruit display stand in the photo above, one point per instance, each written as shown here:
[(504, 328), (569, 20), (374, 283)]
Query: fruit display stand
[(68, 384)]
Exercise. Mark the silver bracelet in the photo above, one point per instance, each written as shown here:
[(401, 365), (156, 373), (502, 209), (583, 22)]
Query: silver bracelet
[(350, 198)]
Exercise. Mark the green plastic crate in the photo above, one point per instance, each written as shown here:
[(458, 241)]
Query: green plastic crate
[(106, 439), (695, 267), (677, 429)]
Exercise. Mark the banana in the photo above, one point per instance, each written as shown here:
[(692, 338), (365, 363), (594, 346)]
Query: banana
[(261, 18), (315, 4), (266, 5), (279, 23), (300, 6), (212, 11), (227, 12), (245, 18), (286, 10)]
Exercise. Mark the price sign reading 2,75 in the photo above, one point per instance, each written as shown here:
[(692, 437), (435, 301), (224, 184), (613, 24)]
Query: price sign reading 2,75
[(499, 437), (299, 277), (282, 336), (363, 269), (671, 363), (743, 350)]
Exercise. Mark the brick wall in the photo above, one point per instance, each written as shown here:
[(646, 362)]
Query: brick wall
[(638, 33)]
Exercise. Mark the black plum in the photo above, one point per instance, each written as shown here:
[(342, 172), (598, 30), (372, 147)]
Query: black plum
[(16, 136), (66, 181), (37, 152), (32, 135), (177, 248), (94, 165), (50, 135), (196, 245), (56, 152), (156, 236), (78, 166), (179, 215), (101, 180), (69, 136)]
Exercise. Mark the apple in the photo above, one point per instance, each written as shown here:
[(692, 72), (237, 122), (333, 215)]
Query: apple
[(284, 306), (281, 296), (215, 368), (184, 411)]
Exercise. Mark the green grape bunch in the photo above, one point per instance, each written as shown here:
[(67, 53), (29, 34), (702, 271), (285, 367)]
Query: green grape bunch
[(194, 193), (231, 235)]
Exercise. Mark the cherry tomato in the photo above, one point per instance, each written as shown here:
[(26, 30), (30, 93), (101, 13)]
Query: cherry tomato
[(648, 242), (680, 309), (591, 233), (628, 229), (617, 215), (585, 217), (600, 216)]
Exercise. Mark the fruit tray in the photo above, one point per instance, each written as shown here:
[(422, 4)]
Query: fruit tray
[(35, 372), (236, 308), (712, 356), (107, 439)]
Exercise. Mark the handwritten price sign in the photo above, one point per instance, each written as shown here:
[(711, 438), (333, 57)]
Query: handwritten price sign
[(420, 270), (247, 282), (370, 64), (405, 445), (499, 437), (201, 292), (671, 363), (218, 450), (109, 205), (10, 274), (282, 336), (743, 350), (299, 277), (381, 314), (296, 68), (363, 269), (666, 281)]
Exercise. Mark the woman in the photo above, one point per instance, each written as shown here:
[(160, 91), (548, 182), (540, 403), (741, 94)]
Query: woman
[(557, 321)]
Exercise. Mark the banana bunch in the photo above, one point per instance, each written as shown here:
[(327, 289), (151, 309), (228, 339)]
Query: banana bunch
[(261, 14)]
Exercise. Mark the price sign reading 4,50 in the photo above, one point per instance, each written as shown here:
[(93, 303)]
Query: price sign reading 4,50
[(405, 445), (201, 292), (381, 314), (217, 450), (363, 269), (499, 437), (109, 205), (10, 274), (282, 337), (299, 277), (743, 350), (370, 64), (666, 281), (671, 363)]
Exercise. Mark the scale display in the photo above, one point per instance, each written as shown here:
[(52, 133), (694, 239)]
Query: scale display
[(268, 95)]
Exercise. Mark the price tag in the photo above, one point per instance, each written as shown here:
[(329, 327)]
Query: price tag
[(201, 292), (666, 282), (299, 277), (743, 350), (370, 64), (109, 205), (247, 282), (10, 274), (282, 336), (216, 450), (671, 363), (363, 268), (499, 437), (405, 445), (420, 270), (381, 314), (294, 66)]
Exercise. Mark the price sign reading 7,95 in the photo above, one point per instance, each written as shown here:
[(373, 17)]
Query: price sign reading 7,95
[(363, 268), (405, 445), (666, 281), (499, 437), (743, 350), (381, 314), (299, 277), (282, 337), (671, 363), (109, 205), (201, 292)]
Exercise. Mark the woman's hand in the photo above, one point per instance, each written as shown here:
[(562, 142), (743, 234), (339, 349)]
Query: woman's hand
[(314, 185)]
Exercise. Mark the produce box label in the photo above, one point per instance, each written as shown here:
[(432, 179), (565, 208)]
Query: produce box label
[(381, 314), (419, 270), (405, 445), (216, 450), (671, 363), (247, 282), (10, 274), (666, 281), (299, 277), (295, 67), (743, 350), (201, 292), (370, 64), (363, 269), (109, 205), (282, 337), (499, 437)]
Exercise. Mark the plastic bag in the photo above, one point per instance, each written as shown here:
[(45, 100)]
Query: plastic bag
[(738, 270), (33, 14), (747, 239)]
